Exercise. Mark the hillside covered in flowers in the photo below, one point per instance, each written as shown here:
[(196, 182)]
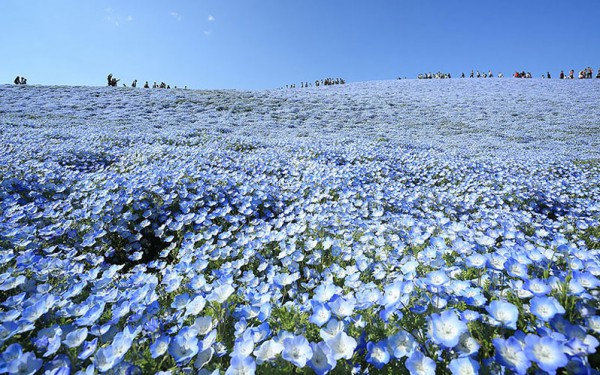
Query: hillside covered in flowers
[(381, 227)]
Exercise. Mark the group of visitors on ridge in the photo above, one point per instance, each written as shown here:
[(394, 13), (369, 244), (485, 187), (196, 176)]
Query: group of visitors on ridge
[(583, 74), (586, 73), (112, 81), (20, 81), (323, 82), (440, 75)]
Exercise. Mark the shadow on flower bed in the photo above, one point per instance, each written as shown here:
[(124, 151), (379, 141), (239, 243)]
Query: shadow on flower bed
[(151, 248), (86, 161)]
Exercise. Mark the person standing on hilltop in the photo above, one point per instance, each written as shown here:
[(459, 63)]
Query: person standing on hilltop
[(109, 78), (17, 80)]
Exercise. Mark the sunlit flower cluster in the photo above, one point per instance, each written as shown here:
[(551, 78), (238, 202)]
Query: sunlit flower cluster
[(395, 227)]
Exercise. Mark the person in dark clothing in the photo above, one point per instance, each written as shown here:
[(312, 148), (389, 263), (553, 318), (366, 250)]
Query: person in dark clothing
[(146, 85), (561, 75), (134, 83), (548, 75), (109, 78), (17, 80)]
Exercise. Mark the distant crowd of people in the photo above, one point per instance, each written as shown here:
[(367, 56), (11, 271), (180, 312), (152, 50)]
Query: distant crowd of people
[(20, 81), (474, 74), (438, 75), (489, 74), (586, 73), (524, 74), (112, 81), (322, 82)]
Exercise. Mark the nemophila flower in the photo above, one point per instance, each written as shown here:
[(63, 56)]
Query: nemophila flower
[(26, 364), (100, 330), (208, 340), (89, 347), (496, 261), (203, 357), (267, 351), (463, 366), (203, 324), (367, 297), (241, 365), (546, 352), (324, 292), (342, 345), (467, 345), (243, 347), (593, 322), (581, 347), (76, 337), (120, 310), (259, 333), (576, 366), (419, 364), (504, 313), (545, 308), (475, 261), (470, 315), (586, 279), (392, 294), (515, 268), (37, 309), (446, 328), (60, 365), (322, 360), (105, 358), (184, 345), (109, 356), (221, 293), (320, 314), (402, 344), (90, 370), (284, 279), (297, 350), (537, 286), (510, 353), (437, 278), (12, 352), (180, 301), (377, 354), (172, 281), (91, 316), (195, 306), (11, 282), (160, 346), (342, 307), (473, 296), (332, 328)]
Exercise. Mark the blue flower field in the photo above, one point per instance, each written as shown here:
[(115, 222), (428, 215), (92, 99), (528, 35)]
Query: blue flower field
[(392, 227)]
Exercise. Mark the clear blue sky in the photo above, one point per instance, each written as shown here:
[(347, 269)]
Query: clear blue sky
[(252, 44)]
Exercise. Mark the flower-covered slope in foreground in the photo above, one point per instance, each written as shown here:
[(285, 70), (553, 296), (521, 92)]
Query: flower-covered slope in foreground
[(389, 227)]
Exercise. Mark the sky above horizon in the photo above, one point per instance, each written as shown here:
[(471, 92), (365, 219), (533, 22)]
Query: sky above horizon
[(252, 44)]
